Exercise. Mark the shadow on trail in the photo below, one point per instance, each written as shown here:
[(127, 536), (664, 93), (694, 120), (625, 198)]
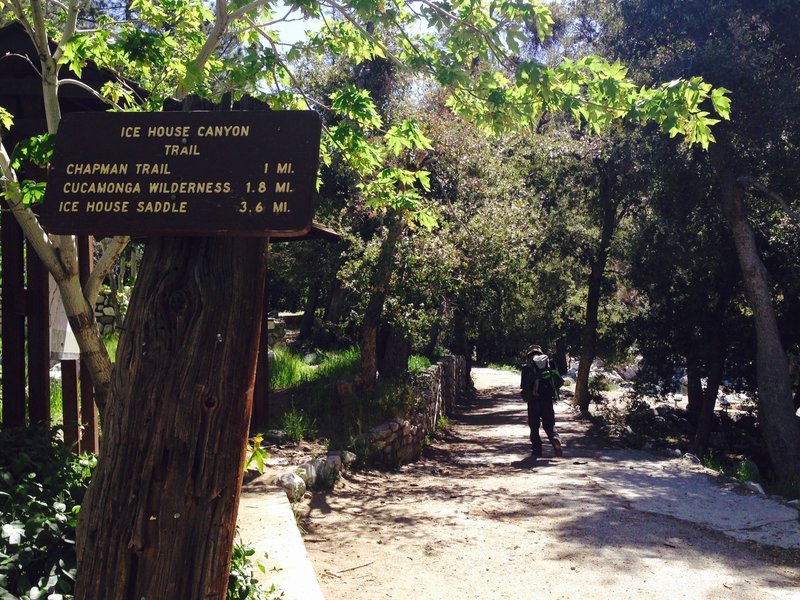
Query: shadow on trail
[(479, 473)]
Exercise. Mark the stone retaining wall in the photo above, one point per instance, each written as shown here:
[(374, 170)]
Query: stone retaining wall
[(400, 440), (104, 313)]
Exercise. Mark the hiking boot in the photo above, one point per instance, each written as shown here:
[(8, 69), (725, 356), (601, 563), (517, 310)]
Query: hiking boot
[(557, 448), (536, 451)]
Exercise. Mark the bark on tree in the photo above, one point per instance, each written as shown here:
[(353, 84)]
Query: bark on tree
[(694, 388), (158, 520), (705, 417), (309, 312), (779, 425), (598, 267), (372, 315)]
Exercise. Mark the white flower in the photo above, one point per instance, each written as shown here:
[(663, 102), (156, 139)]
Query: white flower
[(13, 532)]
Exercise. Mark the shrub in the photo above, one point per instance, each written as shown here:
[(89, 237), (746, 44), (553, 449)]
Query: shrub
[(297, 425), (41, 487), (417, 363)]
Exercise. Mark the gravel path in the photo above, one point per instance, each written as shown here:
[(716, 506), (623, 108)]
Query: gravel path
[(479, 518)]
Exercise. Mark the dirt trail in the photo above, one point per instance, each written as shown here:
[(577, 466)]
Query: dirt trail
[(479, 518)]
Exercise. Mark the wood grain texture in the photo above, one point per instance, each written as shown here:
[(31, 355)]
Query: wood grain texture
[(159, 518)]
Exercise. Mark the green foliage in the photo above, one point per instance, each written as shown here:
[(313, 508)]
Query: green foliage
[(503, 367), (287, 369), (6, 118), (599, 383), (41, 488), (297, 425), (256, 453), (56, 401), (443, 422), (417, 363), (111, 341), (242, 584)]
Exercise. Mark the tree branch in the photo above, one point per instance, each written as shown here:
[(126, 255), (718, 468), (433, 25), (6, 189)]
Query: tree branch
[(212, 42), (91, 90), (112, 252), (33, 231), (746, 181), (69, 27), (240, 12)]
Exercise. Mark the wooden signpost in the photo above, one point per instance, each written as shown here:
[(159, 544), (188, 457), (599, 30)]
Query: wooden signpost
[(184, 173)]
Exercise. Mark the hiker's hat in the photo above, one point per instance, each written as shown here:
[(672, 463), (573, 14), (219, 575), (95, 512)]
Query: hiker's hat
[(535, 349)]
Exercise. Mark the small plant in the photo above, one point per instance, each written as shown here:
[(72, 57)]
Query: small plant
[(111, 341), (599, 383), (285, 369), (499, 367), (297, 425), (242, 584), (443, 422), (417, 363), (41, 488), (56, 401), (256, 453), (747, 471)]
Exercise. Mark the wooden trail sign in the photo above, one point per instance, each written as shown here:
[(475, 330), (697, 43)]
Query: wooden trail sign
[(183, 173)]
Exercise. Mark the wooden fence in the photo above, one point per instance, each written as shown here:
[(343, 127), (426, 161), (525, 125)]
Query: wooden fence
[(26, 346)]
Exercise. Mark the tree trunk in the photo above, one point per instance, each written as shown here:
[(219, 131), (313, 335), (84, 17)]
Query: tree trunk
[(705, 417), (336, 297), (589, 335), (394, 353), (372, 316), (694, 389), (779, 424), (159, 517), (562, 362), (309, 313)]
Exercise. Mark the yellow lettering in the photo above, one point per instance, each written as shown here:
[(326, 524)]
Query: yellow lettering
[(168, 131), (130, 132), (153, 169), (107, 206), (162, 206), (223, 131), (97, 169), (181, 150)]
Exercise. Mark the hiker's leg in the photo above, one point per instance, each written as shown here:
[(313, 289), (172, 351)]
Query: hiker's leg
[(534, 420), (549, 424)]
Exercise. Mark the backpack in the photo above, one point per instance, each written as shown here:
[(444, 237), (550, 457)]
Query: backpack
[(540, 379)]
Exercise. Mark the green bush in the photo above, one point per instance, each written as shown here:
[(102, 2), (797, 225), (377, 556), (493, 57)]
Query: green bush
[(41, 487), (417, 363), (242, 584), (297, 425)]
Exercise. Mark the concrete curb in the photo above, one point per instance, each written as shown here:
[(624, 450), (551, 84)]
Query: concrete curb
[(267, 523)]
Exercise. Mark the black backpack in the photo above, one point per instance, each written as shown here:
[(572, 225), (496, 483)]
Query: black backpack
[(540, 379)]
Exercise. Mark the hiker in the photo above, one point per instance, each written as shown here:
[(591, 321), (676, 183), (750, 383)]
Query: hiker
[(540, 383)]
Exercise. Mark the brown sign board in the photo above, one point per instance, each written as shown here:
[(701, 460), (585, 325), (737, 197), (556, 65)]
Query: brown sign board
[(243, 173)]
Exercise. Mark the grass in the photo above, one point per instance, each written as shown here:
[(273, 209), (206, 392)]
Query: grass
[(501, 367), (298, 426), (287, 370), (111, 341)]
